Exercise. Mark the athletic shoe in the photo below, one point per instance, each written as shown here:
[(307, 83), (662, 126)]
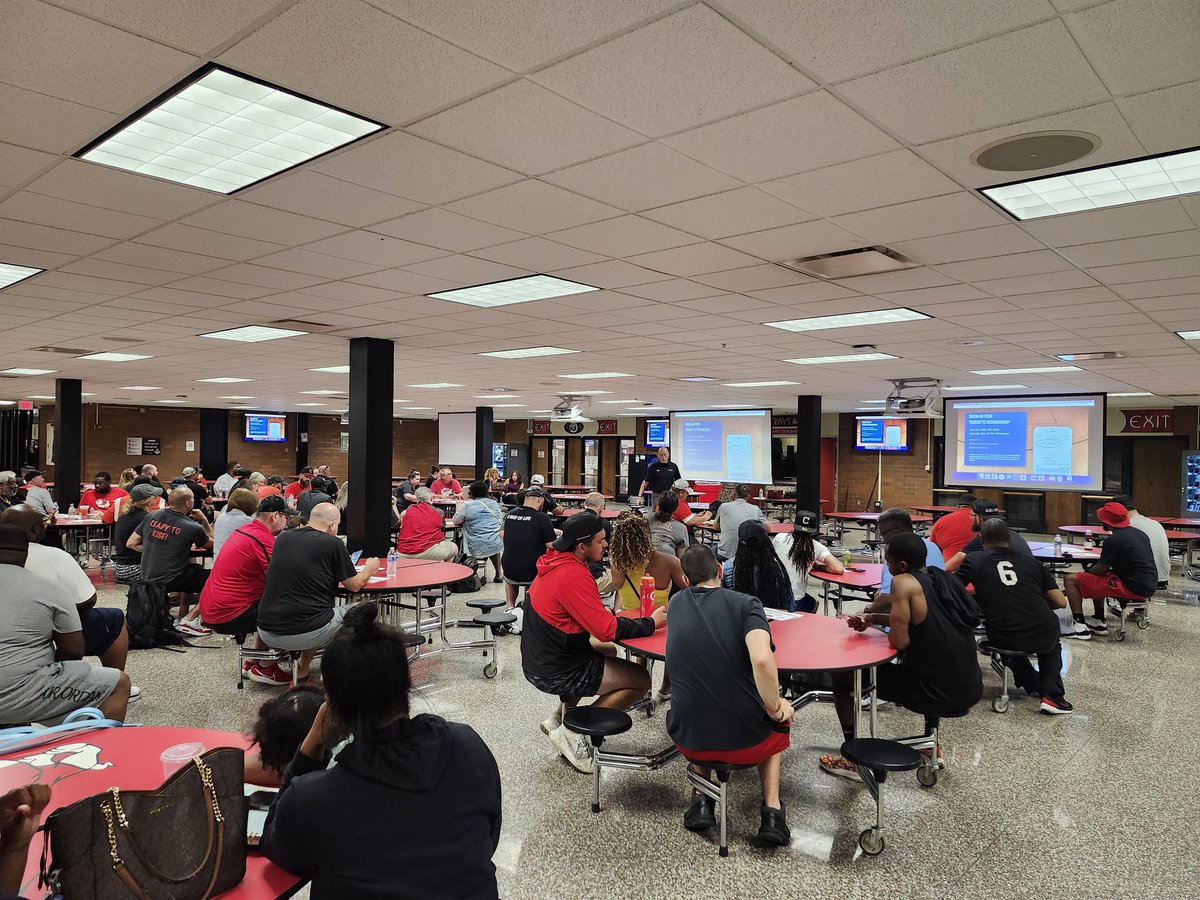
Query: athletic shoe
[(552, 723), (660, 698), (575, 748), (184, 626), (879, 704), (1079, 631), (1056, 707), (840, 766), (1096, 626), (268, 675), (701, 815), (135, 693), (774, 829)]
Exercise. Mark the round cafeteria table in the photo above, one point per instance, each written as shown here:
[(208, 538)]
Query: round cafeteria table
[(869, 520), (604, 514), (84, 763), (859, 577), (80, 532)]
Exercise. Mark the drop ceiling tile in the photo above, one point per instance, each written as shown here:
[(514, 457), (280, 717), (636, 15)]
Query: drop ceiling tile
[(694, 259), (1027, 73), (1114, 223), (320, 196), (922, 218), (527, 128), (447, 230), (932, 297), (321, 264), (211, 243), (368, 247), (997, 240), (87, 284), (646, 176), (801, 294), (798, 135), (1164, 120), (1094, 294), (101, 268), (754, 278), (794, 241), (204, 285), (197, 29), (26, 206), (464, 271), (1035, 262), (680, 71), (1115, 37), (538, 255), (731, 212), (247, 273), (47, 123), (672, 291), (37, 259), (18, 164), (1154, 305), (56, 240), (347, 292), (95, 185), (612, 274), (252, 221), (161, 258), (904, 280), (400, 281), (1163, 288), (623, 236), (375, 53), (533, 207), (1180, 267), (1030, 284)]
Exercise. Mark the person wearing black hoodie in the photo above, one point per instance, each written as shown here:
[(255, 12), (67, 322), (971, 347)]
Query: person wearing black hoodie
[(412, 808)]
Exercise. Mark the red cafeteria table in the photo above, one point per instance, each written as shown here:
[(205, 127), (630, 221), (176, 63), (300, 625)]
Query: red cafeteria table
[(860, 577)]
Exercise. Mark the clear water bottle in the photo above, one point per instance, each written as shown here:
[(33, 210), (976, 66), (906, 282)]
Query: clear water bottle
[(54, 508), (1058, 545), (71, 510), (391, 563), (1088, 541)]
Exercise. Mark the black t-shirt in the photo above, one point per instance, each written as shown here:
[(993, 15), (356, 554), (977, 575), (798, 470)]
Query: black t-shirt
[(1129, 556), (661, 477), (306, 566), (167, 541), (124, 527), (199, 491), (715, 703), (526, 533), (406, 487), (1015, 542), (1011, 589)]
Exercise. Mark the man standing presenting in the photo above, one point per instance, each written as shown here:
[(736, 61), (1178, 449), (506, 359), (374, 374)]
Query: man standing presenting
[(660, 476), (953, 531), (103, 496), (1125, 571)]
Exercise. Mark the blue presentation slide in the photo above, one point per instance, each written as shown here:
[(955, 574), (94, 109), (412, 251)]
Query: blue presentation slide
[(870, 431), (702, 445), (995, 438), (738, 452)]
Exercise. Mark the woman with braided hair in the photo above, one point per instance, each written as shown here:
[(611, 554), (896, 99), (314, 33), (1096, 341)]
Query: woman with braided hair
[(756, 570)]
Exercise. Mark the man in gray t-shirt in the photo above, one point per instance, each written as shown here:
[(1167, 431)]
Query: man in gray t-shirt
[(730, 516), (42, 673)]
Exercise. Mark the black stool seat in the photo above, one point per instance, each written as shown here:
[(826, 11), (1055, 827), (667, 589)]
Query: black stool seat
[(882, 756), (494, 619), (484, 604), (597, 721), (990, 648)]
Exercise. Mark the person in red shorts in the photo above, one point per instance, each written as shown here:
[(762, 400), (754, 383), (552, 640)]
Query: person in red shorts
[(725, 703), (954, 531), (103, 496), (1126, 570)]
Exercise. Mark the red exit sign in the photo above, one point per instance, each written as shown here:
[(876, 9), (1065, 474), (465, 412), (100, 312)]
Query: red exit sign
[(1148, 421), (24, 404)]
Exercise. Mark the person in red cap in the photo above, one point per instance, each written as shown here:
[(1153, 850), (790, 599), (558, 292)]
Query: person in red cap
[(1125, 571)]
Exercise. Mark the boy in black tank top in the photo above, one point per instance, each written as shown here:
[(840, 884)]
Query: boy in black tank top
[(931, 621)]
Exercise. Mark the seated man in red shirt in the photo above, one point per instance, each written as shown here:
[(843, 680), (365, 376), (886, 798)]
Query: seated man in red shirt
[(421, 534), (102, 496), (229, 601), (292, 492), (446, 485), (954, 531), (684, 512), (566, 637)]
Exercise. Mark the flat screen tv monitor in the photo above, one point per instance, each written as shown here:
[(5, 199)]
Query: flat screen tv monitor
[(658, 433), (265, 427), (1049, 442), (880, 433), (733, 445)]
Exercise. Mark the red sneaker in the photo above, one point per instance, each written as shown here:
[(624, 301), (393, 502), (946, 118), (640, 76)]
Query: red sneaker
[(270, 675)]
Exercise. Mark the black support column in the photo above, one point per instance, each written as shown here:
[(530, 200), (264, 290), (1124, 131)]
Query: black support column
[(484, 432), (68, 441), (214, 442), (302, 426), (808, 453), (368, 526)]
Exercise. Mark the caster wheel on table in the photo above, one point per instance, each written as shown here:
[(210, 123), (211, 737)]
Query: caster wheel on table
[(1120, 636), (927, 776), (871, 842), (1000, 704), (489, 671)]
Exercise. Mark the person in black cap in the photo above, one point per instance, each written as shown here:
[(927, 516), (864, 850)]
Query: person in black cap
[(800, 552), (981, 511), (567, 635), (36, 494), (527, 534)]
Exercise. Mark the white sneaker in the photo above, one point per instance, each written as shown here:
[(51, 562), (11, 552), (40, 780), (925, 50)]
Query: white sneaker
[(135, 693), (660, 698), (551, 724), (190, 628), (515, 627), (575, 748), (1096, 626), (1079, 631)]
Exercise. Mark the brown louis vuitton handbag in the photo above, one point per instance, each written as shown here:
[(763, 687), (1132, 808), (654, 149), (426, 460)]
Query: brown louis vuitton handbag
[(184, 841)]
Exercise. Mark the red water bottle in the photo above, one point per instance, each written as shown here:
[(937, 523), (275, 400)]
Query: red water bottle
[(647, 595)]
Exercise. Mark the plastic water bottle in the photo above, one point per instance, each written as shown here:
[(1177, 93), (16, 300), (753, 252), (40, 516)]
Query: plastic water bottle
[(647, 594), (54, 508), (391, 563), (1058, 545), (1088, 542), (71, 510)]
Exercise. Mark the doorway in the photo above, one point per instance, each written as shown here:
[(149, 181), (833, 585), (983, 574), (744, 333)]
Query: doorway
[(1156, 475)]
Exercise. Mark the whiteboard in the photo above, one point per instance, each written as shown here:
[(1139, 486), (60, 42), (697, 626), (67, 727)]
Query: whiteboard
[(456, 439)]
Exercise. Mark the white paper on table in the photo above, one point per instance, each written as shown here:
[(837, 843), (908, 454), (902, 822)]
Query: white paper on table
[(775, 614)]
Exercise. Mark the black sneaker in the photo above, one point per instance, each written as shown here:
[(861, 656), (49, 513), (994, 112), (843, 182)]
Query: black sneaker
[(774, 829), (1056, 706), (700, 815)]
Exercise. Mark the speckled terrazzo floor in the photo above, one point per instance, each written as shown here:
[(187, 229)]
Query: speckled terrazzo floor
[(1096, 804)]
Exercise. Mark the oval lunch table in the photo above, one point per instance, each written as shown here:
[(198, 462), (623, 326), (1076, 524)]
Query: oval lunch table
[(84, 763), (859, 576)]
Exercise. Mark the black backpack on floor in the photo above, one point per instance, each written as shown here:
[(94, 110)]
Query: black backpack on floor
[(474, 581), (148, 618)]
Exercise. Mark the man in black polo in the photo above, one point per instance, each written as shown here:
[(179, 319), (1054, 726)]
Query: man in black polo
[(660, 476)]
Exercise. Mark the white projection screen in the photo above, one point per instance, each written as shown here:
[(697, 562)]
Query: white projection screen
[(1052, 442), (456, 439), (732, 445)]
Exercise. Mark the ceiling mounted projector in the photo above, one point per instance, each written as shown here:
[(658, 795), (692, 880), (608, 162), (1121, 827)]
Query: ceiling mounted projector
[(914, 398), (569, 409)]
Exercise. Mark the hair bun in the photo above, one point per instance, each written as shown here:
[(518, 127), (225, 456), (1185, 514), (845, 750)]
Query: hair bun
[(362, 617)]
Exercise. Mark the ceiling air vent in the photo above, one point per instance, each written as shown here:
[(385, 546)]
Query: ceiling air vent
[(124, 340), (301, 325), (851, 263), (71, 351)]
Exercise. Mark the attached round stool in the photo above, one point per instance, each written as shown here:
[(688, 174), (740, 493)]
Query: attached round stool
[(998, 655), (485, 605), (597, 723), (494, 622), (875, 758)]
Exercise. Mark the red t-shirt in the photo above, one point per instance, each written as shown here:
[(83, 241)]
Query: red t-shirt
[(420, 529), (953, 531), (683, 511), (237, 577), (294, 490), (268, 490), (442, 489), (106, 503)]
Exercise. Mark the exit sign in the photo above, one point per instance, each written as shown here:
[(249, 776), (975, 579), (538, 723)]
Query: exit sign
[(1148, 421), (24, 404)]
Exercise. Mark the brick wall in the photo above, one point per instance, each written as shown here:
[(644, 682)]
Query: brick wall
[(905, 481), (268, 458), (105, 429), (414, 446)]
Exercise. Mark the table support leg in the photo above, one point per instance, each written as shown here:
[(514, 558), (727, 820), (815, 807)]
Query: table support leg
[(858, 703)]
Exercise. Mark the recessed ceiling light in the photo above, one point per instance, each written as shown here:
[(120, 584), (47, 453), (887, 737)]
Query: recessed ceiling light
[(23, 371), (1031, 370), (437, 384), (49, 397), (638, 408), (758, 383), (846, 358), (984, 387), (510, 406), (253, 334), (515, 290), (310, 404), (730, 405), (170, 401), (494, 397), (1080, 357), (541, 410), (235, 397), (1133, 394), (223, 380), (139, 387), (849, 320), (333, 370), (527, 352), (414, 408), (620, 401), (1149, 178), (113, 357), (10, 274), (698, 378), (320, 393), (1189, 335), (582, 375), (590, 393), (402, 401), (86, 394), (223, 131), (8, 402)]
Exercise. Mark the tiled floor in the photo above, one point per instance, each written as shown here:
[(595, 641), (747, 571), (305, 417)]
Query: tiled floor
[(1096, 804)]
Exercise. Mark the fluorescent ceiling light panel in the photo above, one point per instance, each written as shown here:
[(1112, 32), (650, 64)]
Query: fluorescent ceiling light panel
[(1151, 178), (758, 383), (48, 397), (590, 393), (527, 352), (437, 384), (515, 290), (619, 401), (582, 375), (310, 404), (222, 380), (333, 370), (510, 406), (698, 378), (846, 358), (415, 408), (23, 371), (1189, 335), (170, 401), (730, 405), (139, 387), (320, 393), (222, 131), (849, 320), (113, 357), (402, 401), (492, 397), (10, 274), (1079, 357), (235, 397), (984, 387), (1133, 394), (253, 334), (1032, 370)]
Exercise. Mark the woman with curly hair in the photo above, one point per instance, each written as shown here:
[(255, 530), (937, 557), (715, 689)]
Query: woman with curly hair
[(282, 723)]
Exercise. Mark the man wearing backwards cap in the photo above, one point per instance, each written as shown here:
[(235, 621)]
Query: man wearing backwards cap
[(684, 512), (981, 511), (1125, 571), (566, 637)]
